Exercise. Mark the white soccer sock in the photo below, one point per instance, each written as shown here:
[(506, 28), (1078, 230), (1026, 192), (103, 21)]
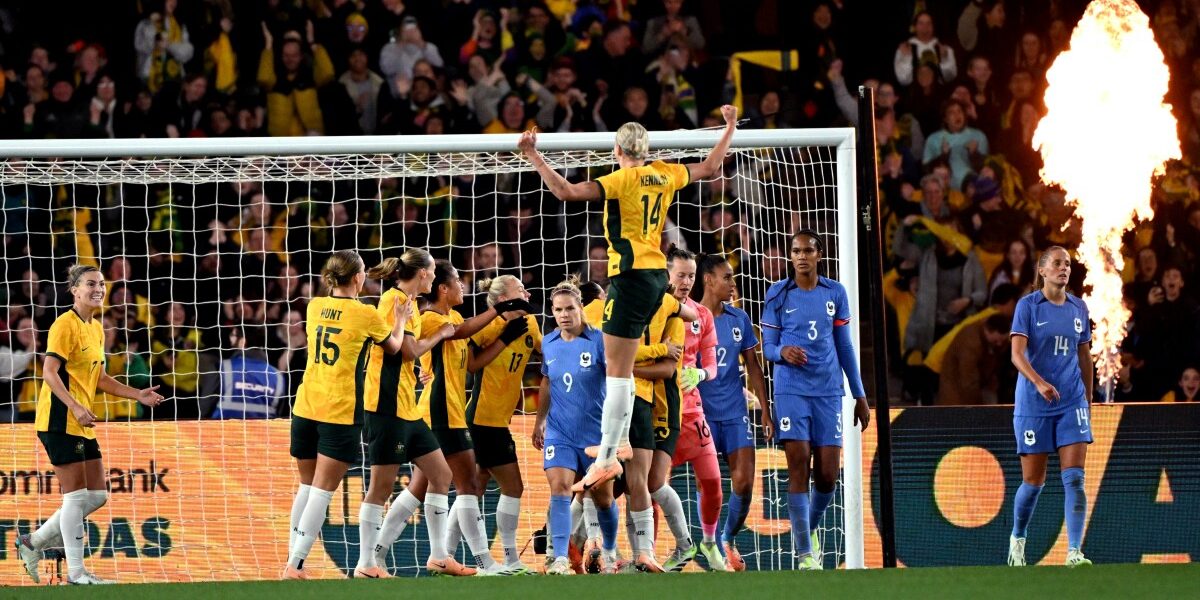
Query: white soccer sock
[(578, 530), (96, 500), (370, 520), (629, 413), (672, 512), (615, 416), (437, 507), (549, 535), (643, 526), (297, 509), (398, 514), (631, 532), (70, 522), (471, 522), (454, 533), (591, 519), (508, 516), (49, 535), (310, 524)]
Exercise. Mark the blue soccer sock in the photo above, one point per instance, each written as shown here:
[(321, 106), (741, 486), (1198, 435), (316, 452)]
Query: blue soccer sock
[(818, 502), (739, 507), (560, 524), (610, 519), (1023, 505), (1074, 505), (798, 510)]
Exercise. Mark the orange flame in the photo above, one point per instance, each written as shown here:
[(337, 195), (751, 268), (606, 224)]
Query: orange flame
[(1106, 134)]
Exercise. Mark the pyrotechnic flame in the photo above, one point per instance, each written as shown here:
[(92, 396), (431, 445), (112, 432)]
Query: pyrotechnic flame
[(1106, 134)]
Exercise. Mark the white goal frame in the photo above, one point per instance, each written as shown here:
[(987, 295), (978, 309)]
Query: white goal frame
[(33, 160)]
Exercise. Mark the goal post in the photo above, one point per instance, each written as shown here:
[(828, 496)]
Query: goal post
[(774, 181)]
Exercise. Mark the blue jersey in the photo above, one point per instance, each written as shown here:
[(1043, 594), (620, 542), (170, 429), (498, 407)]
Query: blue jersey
[(807, 319), (576, 371), (722, 397), (1055, 334)]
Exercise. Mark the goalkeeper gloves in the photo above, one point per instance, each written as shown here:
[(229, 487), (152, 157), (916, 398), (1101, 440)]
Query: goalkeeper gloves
[(692, 378), (514, 330), (514, 305)]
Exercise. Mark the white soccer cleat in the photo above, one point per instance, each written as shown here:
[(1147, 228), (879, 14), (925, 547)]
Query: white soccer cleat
[(1075, 558), (30, 557), (89, 579), (1016, 551), (560, 566), (496, 570)]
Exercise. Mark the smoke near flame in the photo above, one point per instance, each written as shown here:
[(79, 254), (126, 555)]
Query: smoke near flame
[(1106, 133)]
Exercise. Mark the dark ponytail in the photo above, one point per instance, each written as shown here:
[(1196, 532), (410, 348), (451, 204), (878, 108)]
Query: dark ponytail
[(705, 264), (443, 273)]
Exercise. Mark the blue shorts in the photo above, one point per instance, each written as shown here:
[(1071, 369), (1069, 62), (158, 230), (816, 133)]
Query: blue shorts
[(731, 435), (813, 419), (1043, 435), (557, 453)]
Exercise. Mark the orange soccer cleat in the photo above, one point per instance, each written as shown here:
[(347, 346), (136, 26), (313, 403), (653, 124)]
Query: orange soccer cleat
[(448, 566)]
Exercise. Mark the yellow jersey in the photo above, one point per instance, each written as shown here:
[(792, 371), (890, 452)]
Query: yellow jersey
[(666, 391), (593, 313), (635, 209), (497, 389), (340, 333), (80, 347), (653, 344), (444, 399), (392, 380)]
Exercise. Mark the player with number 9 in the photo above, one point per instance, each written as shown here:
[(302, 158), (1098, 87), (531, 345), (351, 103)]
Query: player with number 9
[(571, 400), (637, 196), (1051, 348)]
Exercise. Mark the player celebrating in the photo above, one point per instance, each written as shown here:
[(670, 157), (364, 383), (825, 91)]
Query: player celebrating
[(637, 197), (723, 400), (327, 418), (73, 371), (397, 434), (568, 421), (1051, 348), (699, 362), (804, 333), (501, 350)]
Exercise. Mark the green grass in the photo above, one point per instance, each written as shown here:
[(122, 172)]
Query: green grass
[(973, 583)]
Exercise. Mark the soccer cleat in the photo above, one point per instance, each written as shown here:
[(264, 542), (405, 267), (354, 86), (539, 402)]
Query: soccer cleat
[(1016, 551), (29, 556), (575, 556), (519, 568), (560, 566), (598, 474), (448, 566), (623, 566), (592, 557), (680, 559), (496, 570), (290, 572), (645, 563), (1075, 558), (808, 562), (372, 573), (733, 558), (712, 555), (818, 557), (89, 579), (624, 452)]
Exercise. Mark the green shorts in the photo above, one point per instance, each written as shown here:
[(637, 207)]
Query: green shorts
[(337, 441), (64, 448), (494, 446), (641, 425), (633, 298), (453, 441), (395, 441)]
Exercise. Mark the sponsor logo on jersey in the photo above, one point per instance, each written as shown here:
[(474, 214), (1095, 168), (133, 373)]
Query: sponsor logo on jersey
[(737, 334), (1030, 437), (585, 359), (830, 308)]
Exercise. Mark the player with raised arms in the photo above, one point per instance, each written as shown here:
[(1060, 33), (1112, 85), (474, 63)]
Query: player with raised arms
[(722, 397), (698, 363), (396, 431), (637, 196), (497, 358), (568, 421), (328, 415), (73, 372), (805, 334), (1052, 350)]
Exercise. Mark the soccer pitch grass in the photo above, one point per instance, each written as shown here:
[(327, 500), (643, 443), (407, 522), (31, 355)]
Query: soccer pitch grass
[(1107, 581)]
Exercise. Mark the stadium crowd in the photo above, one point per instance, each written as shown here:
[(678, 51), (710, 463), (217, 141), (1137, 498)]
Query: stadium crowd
[(227, 278)]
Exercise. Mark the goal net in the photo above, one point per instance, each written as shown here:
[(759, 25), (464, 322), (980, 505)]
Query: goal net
[(217, 244)]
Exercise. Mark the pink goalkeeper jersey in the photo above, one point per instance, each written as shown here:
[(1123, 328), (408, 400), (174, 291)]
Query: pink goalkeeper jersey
[(701, 341)]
